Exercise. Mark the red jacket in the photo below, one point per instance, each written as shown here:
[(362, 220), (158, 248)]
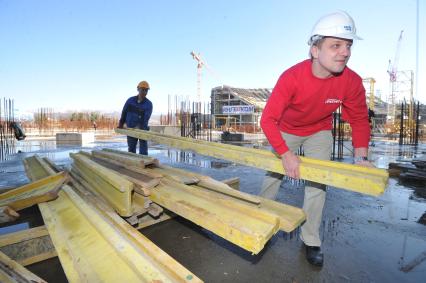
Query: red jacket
[(302, 104)]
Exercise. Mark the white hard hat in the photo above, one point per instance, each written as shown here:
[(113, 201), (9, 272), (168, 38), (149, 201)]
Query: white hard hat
[(338, 24)]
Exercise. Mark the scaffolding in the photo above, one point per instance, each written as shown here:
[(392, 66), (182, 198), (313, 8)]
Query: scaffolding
[(242, 107)]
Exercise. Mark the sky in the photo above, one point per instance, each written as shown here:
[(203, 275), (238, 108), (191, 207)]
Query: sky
[(90, 55)]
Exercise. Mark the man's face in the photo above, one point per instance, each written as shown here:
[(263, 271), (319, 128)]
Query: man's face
[(331, 57), (142, 92)]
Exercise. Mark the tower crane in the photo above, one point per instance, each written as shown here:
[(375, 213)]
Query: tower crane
[(393, 67), (200, 65), (392, 71)]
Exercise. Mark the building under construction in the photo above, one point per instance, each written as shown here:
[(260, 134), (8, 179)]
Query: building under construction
[(238, 108)]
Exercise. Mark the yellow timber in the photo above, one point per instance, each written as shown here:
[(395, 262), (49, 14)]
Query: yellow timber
[(39, 191), (113, 187), (13, 272), (95, 245), (245, 220), (239, 223), (290, 217), (371, 181)]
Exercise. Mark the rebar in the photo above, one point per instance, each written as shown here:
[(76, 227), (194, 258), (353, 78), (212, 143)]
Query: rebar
[(7, 137)]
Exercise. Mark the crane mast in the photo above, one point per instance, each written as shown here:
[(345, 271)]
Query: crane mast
[(200, 65), (392, 71)]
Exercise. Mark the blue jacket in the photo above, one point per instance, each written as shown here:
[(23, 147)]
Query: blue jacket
[(136, 115)]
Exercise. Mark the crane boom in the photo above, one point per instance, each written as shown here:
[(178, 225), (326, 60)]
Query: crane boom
[(393, 67)]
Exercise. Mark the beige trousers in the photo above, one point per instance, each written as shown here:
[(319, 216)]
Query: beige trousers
[(316, 146)]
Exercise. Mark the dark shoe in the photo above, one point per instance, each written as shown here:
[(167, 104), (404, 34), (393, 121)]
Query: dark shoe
[(314, 255)]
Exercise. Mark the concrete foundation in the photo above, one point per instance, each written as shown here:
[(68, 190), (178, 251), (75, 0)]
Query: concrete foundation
[(74, 138)]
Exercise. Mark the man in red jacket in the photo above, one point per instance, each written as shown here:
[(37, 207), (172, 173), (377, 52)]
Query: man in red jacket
[(299, 113)]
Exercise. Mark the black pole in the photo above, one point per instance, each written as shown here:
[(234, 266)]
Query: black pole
[(333, 151), (416, 139), (401, 125)]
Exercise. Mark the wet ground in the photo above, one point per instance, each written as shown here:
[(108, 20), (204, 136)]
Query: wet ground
[(365, 239)]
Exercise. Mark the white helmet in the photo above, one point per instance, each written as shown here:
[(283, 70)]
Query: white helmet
[(338, 24)]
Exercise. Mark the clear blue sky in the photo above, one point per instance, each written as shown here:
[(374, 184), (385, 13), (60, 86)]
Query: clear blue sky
[(90, 55)]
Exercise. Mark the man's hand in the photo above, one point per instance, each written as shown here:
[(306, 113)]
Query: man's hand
[(122, 126), (291, 164), (359, 159), (365, 163)]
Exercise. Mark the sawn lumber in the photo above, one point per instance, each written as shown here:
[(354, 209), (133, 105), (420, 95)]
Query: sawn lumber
[(371, 181)]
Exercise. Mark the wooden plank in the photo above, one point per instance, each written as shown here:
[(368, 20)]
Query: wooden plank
[(163, 262), (236, 222), (175, 175), (23, 235), (217, 186), (371, 181), (146, 220), (111, 259), (35, 192), (11, 271), (190, 178), (38, 258), (122, 159), (147, 159), (224, 198), (113, 187), (36, 169), (143, 183), (28, 246)]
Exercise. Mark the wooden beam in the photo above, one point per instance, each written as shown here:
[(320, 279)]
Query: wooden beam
[(289, 217), (124, 160), (240, 223), (113, 187), (28, 246), (94, 244), (23, 235), (43, 190), (11, 271), (371, 181), (38, 257), (147, 160)]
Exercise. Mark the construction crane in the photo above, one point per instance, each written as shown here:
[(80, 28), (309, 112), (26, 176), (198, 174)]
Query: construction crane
[(200, 65), (392, 71), (370, 92)]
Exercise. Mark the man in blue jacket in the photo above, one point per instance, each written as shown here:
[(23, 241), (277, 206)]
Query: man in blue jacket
[(136, 113)]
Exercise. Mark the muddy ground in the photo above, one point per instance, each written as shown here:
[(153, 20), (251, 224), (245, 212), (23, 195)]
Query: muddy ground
[(365, 239)]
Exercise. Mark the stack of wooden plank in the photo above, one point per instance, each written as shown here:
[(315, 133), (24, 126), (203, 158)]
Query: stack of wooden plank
[(89, 221), (132, 184), (94, 244)]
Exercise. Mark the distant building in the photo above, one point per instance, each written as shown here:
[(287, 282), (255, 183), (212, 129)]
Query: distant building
[(238, 108)]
